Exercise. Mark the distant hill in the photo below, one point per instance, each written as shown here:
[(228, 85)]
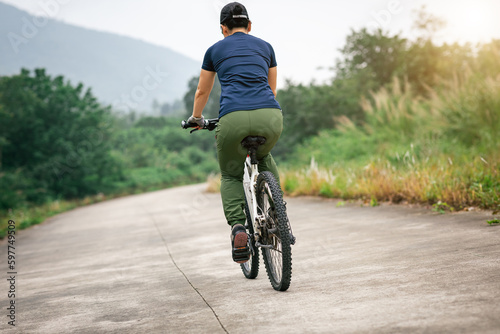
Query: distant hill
[(120, 70)]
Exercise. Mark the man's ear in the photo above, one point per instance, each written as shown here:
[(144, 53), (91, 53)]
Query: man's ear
[(249, 26), (224, 30)]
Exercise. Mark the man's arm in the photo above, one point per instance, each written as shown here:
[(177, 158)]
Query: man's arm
[(205, 85), (273, 78)]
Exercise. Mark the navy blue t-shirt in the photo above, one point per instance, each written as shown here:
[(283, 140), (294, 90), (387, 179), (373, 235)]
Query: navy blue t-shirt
[(242, 64)]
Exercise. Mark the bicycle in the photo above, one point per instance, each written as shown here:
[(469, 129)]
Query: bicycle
[(267, 224)]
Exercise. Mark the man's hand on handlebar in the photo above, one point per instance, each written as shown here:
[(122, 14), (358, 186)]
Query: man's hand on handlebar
[(195, 120), (206, 124)]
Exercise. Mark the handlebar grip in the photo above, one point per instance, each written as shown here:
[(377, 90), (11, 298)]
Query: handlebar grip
[(210, 124), (186, 125)]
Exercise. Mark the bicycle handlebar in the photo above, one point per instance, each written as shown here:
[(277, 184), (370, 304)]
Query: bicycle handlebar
[(210, 125)]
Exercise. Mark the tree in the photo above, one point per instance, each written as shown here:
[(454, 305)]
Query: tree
[(488, 58), (3, 140), (56, 136), (427, 24), (372, 59)]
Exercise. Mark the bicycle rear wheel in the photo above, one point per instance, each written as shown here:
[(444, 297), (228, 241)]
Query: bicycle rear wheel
[(251, 267), (276, 249)]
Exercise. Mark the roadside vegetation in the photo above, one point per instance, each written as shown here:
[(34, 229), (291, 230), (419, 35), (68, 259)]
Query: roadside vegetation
[(400, 121), (442, 148), (60, 148)]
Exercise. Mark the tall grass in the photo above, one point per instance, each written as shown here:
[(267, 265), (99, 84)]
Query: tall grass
[(444, 147), (461, 185)]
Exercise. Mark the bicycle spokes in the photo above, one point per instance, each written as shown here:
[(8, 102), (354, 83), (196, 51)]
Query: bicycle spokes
[(274, 232)]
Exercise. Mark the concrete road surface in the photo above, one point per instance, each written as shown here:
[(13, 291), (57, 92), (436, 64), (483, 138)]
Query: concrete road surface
[(161, 263)]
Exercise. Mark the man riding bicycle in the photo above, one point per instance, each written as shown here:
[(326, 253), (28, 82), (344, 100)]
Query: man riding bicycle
[(246, 67)]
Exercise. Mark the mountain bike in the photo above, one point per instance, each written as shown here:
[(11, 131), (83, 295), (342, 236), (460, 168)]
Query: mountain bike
[(267, 224)]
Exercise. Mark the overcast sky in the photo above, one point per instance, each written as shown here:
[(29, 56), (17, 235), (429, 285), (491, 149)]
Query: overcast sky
[(306, 34)]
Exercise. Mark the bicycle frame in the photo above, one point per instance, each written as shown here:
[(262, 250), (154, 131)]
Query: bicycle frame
[(250, 174)]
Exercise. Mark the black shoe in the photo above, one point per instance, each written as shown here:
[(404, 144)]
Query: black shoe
[(239, 244)]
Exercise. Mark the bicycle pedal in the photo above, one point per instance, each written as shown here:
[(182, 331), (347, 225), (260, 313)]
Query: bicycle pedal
[(241, 250), (241, 254)]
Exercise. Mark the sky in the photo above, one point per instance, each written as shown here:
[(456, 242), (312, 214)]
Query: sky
[(306, 34)]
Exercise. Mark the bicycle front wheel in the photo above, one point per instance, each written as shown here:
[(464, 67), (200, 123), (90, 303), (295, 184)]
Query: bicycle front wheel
[(276, 249)]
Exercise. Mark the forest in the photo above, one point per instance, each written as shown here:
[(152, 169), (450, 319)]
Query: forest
[(401, 120)]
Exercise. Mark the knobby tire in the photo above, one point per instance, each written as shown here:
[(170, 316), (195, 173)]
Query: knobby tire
[(278, 261)]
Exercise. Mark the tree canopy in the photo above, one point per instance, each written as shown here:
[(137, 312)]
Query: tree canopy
[(55, 139)]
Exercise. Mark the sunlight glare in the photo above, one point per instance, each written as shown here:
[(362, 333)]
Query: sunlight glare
[(472, 22)]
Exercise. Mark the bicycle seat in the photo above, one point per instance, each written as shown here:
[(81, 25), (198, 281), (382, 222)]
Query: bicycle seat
[(252, 143)]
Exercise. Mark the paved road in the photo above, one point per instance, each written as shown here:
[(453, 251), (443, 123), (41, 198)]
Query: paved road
[(161, 263)]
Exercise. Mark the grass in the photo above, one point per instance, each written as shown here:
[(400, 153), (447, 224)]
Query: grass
[(441, 207), (442, 150), (213, 183), (436, 181)]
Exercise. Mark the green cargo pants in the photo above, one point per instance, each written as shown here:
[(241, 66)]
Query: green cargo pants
[(231, 130)]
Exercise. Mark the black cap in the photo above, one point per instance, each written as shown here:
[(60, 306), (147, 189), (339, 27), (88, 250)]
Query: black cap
[(233, 10)]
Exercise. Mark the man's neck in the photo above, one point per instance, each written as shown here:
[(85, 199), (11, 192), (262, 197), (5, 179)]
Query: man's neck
[(235, 30)]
